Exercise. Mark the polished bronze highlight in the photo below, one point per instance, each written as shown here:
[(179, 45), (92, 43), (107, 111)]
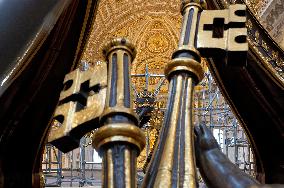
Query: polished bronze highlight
[(173, 163), (185, 65)]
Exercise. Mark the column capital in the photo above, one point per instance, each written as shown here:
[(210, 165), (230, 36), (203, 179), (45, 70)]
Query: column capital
[(119, 43), (199, 3)]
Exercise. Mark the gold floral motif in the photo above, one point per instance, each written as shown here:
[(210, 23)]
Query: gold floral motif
[(269, 56), (121, 33), (157, 43)]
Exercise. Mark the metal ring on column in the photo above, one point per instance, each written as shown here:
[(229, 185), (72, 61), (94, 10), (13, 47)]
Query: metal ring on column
[(185, 64), (119, 132), (119, 110)]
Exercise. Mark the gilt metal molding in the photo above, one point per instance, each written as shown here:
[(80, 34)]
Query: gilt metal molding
[(260, 43), (80, 105), (223, 33)]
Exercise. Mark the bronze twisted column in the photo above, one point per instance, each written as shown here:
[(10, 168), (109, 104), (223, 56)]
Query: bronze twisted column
[(119, 140), (173, 163)]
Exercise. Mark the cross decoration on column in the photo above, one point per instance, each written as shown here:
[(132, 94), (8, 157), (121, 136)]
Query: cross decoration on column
[(81, 103), (223, 33)]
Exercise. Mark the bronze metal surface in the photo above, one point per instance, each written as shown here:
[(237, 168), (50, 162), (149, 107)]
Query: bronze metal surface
[(261, 78), (119, 132), (185, 64), (73, 120), (127, 166), (116, 51), (223, 32), (173, 161), (48, 39), (109, 169), (25, 52), (213, 164), (154, 29), (119, 43)]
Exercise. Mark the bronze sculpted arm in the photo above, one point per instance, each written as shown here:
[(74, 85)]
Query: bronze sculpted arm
[(216, 169)]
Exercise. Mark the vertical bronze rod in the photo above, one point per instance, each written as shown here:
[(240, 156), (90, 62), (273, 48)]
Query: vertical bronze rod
[(119, 140), (173, 162)]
